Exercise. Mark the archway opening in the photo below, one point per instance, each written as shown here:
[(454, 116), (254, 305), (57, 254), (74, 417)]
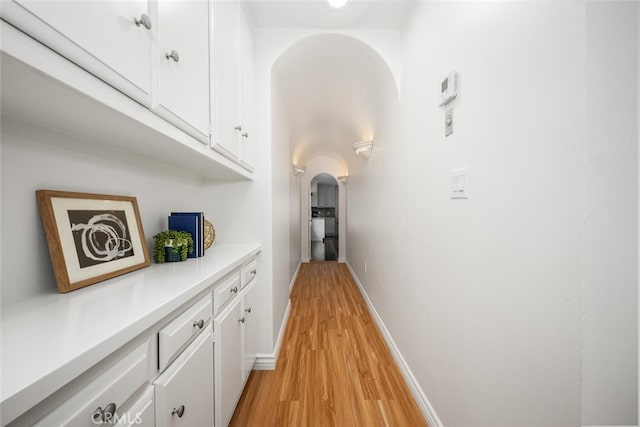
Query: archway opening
[(327, 92), (323, 215)]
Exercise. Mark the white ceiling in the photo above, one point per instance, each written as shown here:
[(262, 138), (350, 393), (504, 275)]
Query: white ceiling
[(380, 14), (333, 86), (332, 89)]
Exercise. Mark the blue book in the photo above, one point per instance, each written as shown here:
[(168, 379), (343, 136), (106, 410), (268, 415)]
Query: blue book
[(198, 237), (188, 223)]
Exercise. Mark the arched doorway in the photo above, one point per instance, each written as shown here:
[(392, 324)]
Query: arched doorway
[(326, 92), (323, 214)]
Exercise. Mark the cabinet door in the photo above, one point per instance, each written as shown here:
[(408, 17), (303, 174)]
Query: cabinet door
[(184, 392), (100, 36), (228, 362), (331, 195), (245, 63), (251, 310), (322, 195), (182, 66), (225, 134)]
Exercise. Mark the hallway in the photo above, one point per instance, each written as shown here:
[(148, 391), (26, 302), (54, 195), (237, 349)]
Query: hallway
[(334, 368)]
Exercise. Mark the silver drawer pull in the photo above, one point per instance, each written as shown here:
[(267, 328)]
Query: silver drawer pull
[(104, 415), (245, 135), (238, 128), (179, 412), (248, 310), (254, 271), (144, 20), (199, 323), (234, 290), (241, 319), (173, 55)]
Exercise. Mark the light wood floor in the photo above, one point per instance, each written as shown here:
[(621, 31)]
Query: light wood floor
[(334, 367)]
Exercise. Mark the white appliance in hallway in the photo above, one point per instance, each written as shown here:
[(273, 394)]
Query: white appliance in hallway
[(317, 239), (317, 229)]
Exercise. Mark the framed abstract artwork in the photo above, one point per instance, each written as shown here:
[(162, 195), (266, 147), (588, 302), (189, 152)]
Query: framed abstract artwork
[(91, 237)]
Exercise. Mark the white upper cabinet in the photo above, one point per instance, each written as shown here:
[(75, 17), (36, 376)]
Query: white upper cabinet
[(110, 39), (225, 137), (181, 58), (245, 75), (232, 58), (327, 195)]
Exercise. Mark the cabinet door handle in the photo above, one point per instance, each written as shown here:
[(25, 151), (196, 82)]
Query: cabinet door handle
[(254, 271), (234, 290), (245, 135), (199, 323), (173, 55), (238, 128), (104, 415), (179, 412), (241, 319), (144, 20), (248, 310)]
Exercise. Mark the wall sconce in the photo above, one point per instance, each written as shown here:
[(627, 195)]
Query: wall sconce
[(343, 179), (299, 170), (363, 148)]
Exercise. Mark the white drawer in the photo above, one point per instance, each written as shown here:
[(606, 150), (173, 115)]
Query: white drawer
[(248, 272), (173, 337), (141, 413), (108, 391), (225, 291)]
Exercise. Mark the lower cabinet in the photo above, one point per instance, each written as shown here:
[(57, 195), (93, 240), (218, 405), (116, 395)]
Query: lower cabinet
[(251, 309), (228, 361), (236, 342), (184, 392), (174, 374)]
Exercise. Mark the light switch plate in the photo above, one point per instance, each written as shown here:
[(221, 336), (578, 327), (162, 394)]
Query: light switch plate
[(448, 122), (460, 183)]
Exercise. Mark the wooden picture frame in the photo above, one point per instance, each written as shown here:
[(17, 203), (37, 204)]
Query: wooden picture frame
[(91, 237)]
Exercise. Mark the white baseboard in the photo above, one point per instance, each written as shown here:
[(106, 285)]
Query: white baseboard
[(267, 362), (295, 276), (418, 394)]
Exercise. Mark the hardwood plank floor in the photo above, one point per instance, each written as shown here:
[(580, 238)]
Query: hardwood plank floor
[(334, 367)]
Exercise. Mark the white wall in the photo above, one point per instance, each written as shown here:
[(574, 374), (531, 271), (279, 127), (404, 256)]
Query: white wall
[(610, 335), (283, 206), (35, 158), (483, 296)]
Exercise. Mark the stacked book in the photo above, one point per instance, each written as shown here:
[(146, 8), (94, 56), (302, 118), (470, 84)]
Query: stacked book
[(193, 223)]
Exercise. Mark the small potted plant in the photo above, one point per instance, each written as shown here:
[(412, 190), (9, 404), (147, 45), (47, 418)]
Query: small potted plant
[(171, 246)]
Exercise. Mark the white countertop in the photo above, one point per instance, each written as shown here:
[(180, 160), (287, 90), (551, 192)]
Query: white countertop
[(50, 339)]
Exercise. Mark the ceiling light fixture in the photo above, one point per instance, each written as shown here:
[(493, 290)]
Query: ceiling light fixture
[(298, 170), (337, 4), (363, 148)]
